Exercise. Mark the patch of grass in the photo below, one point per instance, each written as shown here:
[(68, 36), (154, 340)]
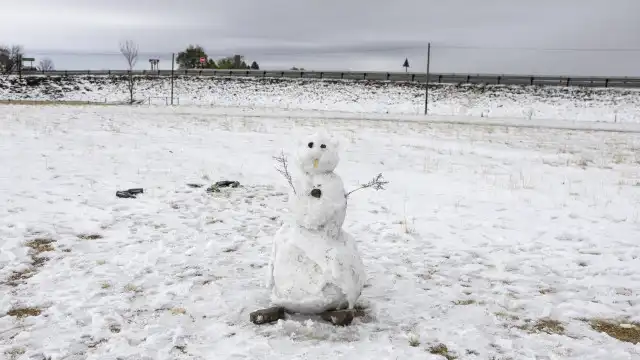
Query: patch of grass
[(627, 332), (414, 340), (105, 285), (507, 316), (15, 353), (24, 312), (618, 158), (37, 246), (442, 350), (178, 311), (38, 261), (464, 302), (89, 236), (363, 313), (547, 326), (132, 288), (18, 276), (40, 245)]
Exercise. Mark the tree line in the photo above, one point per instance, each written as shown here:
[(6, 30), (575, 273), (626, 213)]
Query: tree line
[(194, 57), (11, 59)]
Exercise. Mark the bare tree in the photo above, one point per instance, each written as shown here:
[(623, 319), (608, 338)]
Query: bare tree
[(46, 65), (129, 50), (10, 58)]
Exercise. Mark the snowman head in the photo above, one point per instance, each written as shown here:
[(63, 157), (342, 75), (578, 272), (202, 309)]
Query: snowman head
[(318, 154)]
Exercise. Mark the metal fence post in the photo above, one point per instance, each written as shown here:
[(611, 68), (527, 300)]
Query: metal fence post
[(426, 81), (173, 58)]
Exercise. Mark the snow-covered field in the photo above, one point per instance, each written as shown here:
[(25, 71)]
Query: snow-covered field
[(524, 102), (488, 243)]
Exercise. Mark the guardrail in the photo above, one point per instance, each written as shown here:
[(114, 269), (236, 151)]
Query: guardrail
[(434, 78)]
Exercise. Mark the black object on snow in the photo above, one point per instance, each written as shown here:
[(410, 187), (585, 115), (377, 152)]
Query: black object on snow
[(129, 194), (221, 184), (227, 183), (195, 186), (316, 193)]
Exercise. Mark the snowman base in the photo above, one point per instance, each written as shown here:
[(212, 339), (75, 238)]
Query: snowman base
[(273, 314)]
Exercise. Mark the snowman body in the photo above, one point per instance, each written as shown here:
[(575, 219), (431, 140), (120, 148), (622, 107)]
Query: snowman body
[(315, 265)]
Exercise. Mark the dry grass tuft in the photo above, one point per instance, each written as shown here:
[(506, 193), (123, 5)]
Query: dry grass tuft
[(89, 236), (15, 353), (178, 311), (37, 246), (464, 302), (17, 277), (21, 313), (547, 326), (627, 332), (414, 340), (507, 316), (442, 350), (40, 245)]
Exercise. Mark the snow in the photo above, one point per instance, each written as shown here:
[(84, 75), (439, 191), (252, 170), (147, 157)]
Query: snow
[(517, 223), (491, 101)]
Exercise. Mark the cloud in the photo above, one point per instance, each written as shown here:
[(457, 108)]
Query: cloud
[(345, 34)]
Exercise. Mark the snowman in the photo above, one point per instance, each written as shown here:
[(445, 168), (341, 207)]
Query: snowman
[(315, 266)]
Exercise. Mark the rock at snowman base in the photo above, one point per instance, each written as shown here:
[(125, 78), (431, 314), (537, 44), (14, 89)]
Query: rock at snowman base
[(339, 317), (265, 316)]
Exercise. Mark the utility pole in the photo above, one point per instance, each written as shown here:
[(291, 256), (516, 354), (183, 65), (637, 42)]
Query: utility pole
[(426, 82), (173, 62)]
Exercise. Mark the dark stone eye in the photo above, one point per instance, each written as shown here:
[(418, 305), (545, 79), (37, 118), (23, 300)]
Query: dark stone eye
[(323, 146), (316, 193), (310, 145)]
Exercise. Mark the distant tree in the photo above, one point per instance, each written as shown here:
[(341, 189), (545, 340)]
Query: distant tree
[(233, 62), (255, 66), (406, 65), (10, 58), (225, 63), (210, 64), (296, 69), (129, 50), (46, 65), (190, 58)]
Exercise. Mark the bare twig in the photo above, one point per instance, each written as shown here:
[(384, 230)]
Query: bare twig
[(377, 183), (284, 169)]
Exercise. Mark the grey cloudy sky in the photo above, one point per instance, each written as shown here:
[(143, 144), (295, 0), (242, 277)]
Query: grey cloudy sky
[(488, 36)]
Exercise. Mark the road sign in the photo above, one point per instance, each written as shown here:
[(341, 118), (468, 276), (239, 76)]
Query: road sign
[(202, 60)]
